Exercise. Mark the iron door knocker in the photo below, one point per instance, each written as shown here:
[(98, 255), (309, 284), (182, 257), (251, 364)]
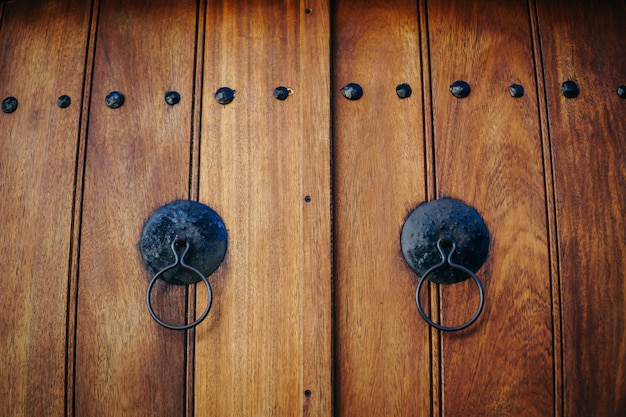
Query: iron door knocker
[(445, 241), (183, 243)]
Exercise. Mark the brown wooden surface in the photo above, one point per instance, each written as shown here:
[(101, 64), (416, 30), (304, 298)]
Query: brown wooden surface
[(583, 41), (382, 350), (488, 153), (547, 174), (137, 159), (267, 339), (41, 60)]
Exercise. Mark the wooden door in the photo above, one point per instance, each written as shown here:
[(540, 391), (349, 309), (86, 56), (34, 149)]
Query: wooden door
[(314, 306)]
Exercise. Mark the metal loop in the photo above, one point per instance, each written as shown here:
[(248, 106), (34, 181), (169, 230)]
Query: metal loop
[(179, 261), (448, 259)]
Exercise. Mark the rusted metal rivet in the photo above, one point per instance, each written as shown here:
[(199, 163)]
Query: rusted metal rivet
[(352, 91), (403, 90), (621, 91), (570, 89), (172, 98), (9, 104), (281, 93), (460, 89), (516, 90), (64, 101), (224, 95), (114, 99)]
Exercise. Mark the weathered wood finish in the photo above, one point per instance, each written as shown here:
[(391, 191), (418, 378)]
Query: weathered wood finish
[(583, 41), (382, 360), (488, 153), (137, 159), (38, 146), (268, 337)]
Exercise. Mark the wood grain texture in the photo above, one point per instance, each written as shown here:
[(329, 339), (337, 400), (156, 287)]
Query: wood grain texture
[(551, 212), (488, 154), (268, 337), (42, 55), (194, 194), (382, 348), (137, 159), (72, 303), (430, 178), (583, 42)]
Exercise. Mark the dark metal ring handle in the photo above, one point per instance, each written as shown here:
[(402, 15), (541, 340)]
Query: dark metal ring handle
[(448, 260), (179, 261)]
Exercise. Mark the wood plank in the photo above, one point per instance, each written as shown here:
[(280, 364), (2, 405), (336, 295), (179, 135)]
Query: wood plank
[(382, 348), (194, 194), (557, 334), (489, 154), (42, 56), (137, 159), (431, 193), (267, 340), (583, 42)]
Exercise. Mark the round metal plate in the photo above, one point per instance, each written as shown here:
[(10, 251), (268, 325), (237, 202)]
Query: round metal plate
[(444, 217), (199, 225)]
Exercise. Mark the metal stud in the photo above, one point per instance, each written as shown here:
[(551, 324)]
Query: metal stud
[(281, 93), (570, 89), (404, 90), (621, 91), (9, 104), (224, 95), (64, 101), (460, 89), (516, 90), (172, 98), (114, 99), (352, 91)]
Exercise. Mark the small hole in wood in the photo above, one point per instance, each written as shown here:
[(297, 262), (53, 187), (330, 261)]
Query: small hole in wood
[(307, 393), (307, 199), (308, 10)]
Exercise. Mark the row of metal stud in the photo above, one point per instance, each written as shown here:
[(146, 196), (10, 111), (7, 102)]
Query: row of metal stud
[(351, 91), (462, 89), (115, 99)]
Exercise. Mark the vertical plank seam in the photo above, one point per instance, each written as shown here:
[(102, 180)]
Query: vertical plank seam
[(430, 192), (77, 204), (194, 193), (323, 395), (302, 380), (309, 364), (550, 198)]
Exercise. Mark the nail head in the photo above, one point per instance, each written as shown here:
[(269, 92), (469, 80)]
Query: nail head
[(281, 93), (224, 95), (172, 98), (460, 89), (64, 101), (516, 90), (9, 104), (352, 91), (404, 90), (114, 99), (570, 89)]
